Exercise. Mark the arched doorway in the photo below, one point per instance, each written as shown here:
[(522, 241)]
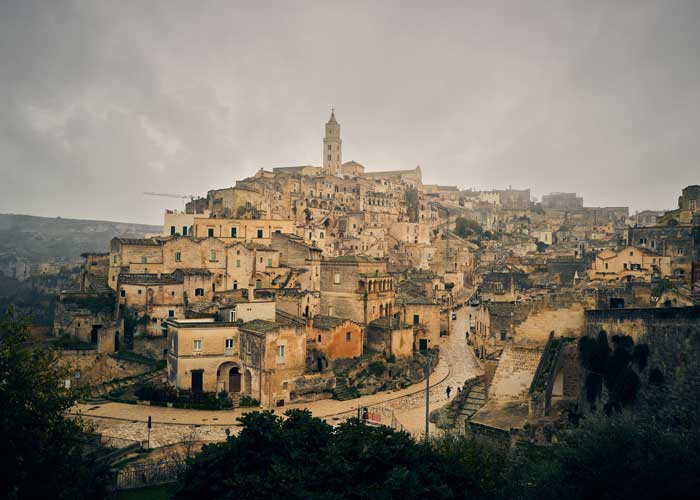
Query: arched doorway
[(248, 383), (234, 380)]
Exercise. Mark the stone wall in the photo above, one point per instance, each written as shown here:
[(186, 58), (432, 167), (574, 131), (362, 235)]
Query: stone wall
[(673, 337), (151, 347), (565, 322), (92, 368), (514, 374)]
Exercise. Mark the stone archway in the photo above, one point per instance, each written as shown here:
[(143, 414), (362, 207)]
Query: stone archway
[(234, 380)]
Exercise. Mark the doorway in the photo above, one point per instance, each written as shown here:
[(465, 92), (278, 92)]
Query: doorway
[(93, 333), (234, 380), (197, 381), (423, 344)]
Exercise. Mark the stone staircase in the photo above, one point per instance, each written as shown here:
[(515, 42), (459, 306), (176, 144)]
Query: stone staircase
[(342, 392), (235, 398), (98, 393), (99, 283), (476, 398)]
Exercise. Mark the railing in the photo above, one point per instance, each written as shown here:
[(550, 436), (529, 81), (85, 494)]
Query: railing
[(138, 476)]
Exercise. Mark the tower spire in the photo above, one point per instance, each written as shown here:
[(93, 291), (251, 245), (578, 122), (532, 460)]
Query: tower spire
[(332, 146)]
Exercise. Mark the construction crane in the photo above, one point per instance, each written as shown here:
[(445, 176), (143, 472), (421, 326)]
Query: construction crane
[(168, 195)]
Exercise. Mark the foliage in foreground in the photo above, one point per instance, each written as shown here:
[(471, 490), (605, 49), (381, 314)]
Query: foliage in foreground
[(42, 452), (301, 457)]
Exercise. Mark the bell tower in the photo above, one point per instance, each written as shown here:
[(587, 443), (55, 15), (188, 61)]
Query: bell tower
[(332, 147)]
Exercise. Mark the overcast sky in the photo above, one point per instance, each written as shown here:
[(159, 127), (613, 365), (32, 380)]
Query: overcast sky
[(101, 101)]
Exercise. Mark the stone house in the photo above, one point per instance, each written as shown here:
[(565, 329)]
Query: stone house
[(423, 314), (297, 302), (356, 287), (259, 358), (629, 263), (392, 336), (335, 337)]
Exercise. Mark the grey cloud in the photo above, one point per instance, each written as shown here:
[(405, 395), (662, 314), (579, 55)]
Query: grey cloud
[(104, 100)]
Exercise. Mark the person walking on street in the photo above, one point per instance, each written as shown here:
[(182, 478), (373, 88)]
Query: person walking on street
[(448, 391)]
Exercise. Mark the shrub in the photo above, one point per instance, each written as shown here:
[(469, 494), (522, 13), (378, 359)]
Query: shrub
[(377, 368), (247, 401)]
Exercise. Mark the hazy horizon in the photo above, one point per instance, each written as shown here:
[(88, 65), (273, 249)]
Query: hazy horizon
[(103, 101)]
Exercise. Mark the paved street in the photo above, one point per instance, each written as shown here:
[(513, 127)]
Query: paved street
[(172, 425), (462, 365)]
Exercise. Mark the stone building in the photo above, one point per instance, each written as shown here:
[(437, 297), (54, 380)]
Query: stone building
[(423, 314), (335, 337), (630, 263), (356, 288), (259, 358)]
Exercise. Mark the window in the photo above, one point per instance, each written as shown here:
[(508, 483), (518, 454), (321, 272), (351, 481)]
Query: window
[(234, 232), (210, 232), (330, 310), (348, 336), (269, 262), (320, 235), (232, 315), (199, 292), (258, 284), (139, 292), (329, 157), (122, 293), (416, 319), (114, 259), (330, 147), (504, 334), (235, 285), (280, 354), (229, 344), (197, 345), (238, 263), (319, 339), (261, 260), (249, 348), (144, 259), (624, 266), (606, 266), (336, 278), (172, 294), (260, 233), (178, 256), (212, 256), (172, 230), (184, 230), (171, 313)]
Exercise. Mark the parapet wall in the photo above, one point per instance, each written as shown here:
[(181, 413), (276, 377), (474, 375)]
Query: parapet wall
[(673, 337)]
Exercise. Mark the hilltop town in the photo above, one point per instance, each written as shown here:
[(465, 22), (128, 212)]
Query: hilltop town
[(305, 284)]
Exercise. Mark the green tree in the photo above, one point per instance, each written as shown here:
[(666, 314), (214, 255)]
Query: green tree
[(42, 450), (614, 458), (466, 227), (301, 457)]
